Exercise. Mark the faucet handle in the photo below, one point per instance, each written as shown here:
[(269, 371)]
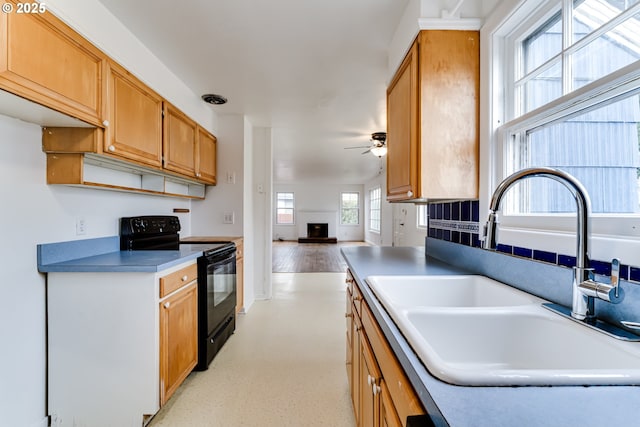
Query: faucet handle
[(608, 292), (615, 275)]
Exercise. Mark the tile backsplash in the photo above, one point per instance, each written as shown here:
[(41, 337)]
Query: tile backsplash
[(460, 222)]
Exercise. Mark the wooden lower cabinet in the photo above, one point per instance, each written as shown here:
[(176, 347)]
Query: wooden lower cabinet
[(178, 339), (381, 393)]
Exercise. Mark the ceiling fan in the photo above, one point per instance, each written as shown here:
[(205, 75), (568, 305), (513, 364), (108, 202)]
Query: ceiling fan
[(378, 147)]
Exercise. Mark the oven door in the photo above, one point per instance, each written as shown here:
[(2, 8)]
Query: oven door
[(220, 272)]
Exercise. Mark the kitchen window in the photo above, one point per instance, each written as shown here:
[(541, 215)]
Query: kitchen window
[(374, 209), (350, 208), (285, 208), (571, 101)]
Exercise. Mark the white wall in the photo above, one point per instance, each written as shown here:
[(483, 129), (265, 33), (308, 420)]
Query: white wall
[(318, 197), (33, 213), (207, 216)]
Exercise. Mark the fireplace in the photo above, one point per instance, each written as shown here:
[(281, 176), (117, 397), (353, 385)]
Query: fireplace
[(317, 230)]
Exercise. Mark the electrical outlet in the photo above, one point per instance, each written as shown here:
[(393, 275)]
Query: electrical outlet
[(229, 218), (81, 226)]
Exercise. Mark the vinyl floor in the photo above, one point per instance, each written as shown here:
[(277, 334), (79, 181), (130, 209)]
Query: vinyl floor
[(294, 257), (284, 366)]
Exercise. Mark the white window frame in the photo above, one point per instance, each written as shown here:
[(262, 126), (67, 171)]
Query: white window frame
[(422, 216), (357, 224), (612, 235), (372, 208), (293, 209)]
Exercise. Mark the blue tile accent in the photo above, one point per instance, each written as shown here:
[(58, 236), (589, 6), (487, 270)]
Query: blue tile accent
[(601, 267), (634, 274), (624, 272), (432, 232), (465, 239), (455, 236), (447, 211), (475, 240), (507, 249), (475, 210), (432, 211), (439, 210), (455, 211), (522, 252), (439, 232), (465, 210), (566, 261), (446, 235), (545, 256)]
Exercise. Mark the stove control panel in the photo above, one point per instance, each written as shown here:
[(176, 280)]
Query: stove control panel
[(150, 224)]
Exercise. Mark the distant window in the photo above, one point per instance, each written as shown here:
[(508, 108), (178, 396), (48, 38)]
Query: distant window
[(350, 208), (285, 208), (423, 216), (374, 209)]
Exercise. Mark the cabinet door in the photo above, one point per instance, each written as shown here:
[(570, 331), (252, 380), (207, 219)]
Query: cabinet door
[(179, 141), (370, 378), (356, 387), (449, 102), (134, 130), (403, 130), (43, 60), (178, 339), (388, 415), (206, 158)]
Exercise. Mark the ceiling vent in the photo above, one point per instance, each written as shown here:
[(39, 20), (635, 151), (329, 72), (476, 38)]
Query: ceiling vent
[(214, 99)]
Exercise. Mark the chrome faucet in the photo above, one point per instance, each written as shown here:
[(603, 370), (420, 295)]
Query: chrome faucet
[(584, 288)]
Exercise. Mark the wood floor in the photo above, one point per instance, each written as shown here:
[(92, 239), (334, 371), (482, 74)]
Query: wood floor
[(294, 257)]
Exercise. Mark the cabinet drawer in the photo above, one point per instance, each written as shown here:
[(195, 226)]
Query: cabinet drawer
[(177, 279), (404, 398)]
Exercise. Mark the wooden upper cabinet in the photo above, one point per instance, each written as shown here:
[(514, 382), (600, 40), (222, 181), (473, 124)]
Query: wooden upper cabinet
[(402, 130), (43, 60), (179, 141), (206, 158), (134, 126), (433, 119)]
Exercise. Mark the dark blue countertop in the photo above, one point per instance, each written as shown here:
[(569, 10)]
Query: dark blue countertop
[(104, 255), (460, 406)]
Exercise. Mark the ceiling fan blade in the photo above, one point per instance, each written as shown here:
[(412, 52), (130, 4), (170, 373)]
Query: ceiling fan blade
[(365, 152), (360, 146)]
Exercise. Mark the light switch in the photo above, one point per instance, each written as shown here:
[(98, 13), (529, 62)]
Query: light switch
[(229, 218)]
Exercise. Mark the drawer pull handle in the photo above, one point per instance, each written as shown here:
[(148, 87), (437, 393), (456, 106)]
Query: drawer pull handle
[(184, 278), (167, 304)]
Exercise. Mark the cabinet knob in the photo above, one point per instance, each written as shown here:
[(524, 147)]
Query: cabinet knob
[(112, 148), (198, 174), (369, 379), (347, 315), (167, 304), (409, 193), (105, 123), (184, 278), (376, 389)]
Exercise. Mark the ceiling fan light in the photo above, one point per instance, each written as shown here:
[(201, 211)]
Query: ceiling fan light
[(379, 151)]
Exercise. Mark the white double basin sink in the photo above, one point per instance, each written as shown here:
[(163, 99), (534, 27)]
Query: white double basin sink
[(474, 331)]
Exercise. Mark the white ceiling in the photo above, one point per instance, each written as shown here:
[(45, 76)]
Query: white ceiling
[(313, 71)]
